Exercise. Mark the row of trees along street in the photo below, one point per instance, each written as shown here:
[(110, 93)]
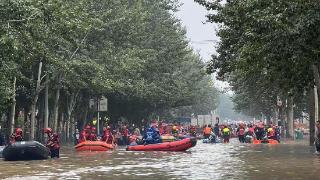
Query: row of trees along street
[(269, 50), (57, 55)]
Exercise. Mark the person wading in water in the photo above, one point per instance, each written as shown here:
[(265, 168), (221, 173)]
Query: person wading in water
[(317, 138)]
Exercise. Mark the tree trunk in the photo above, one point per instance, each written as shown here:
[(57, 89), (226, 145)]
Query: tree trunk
[(56, 109), (25, 121), (33, 117), (34, 103), (13, 106), (46, 105), (71, 106), (46, 108), (72, 129), (290, 133), (312, 115), (67, 131), (316, 74)]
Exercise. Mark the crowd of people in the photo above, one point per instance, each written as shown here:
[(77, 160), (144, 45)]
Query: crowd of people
[(126, 134), (246, 132)]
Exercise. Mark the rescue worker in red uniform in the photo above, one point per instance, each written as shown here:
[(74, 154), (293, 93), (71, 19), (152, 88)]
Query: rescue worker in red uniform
[(241, 133), (107, 135), (93, 136), (16, 136), (53, 143), (85, 134)]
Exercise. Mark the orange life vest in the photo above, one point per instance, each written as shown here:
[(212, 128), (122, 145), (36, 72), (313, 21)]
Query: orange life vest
[(207, 130)]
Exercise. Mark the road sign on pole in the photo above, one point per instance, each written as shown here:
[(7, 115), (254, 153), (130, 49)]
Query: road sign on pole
[(103, 104)]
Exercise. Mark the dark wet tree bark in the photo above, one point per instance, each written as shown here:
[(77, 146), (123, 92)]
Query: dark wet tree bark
[(312, 116)]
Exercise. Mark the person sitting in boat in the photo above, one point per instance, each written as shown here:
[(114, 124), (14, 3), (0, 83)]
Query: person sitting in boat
[(152, 136), (175, 131), (53, 143), (93, 136), (107, 135), (212, 138), (271, 133), (85, 133), (16, 136)]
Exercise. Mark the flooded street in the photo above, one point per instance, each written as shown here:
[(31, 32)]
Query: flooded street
[(205, 161)]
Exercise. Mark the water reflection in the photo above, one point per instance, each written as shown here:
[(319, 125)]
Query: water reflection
[(205, 161)]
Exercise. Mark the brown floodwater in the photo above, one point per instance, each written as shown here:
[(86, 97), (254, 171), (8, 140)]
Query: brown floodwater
[(205, 161)]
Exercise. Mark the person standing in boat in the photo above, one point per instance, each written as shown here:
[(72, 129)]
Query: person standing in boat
[(16, 136), (53, 143)]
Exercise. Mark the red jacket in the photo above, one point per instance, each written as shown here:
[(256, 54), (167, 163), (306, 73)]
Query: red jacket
[(15, 137), (83, 136), (92, 137), (53, 141), (107, 137)]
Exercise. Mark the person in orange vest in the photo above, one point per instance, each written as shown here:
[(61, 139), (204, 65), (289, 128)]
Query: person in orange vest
[(207, 131), (16, 136), (53, 143)]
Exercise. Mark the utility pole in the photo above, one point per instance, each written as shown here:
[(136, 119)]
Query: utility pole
[(98, 118)]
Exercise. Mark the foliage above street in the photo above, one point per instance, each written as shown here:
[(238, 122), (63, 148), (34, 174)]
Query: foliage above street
[(266, 49), (133, 52)]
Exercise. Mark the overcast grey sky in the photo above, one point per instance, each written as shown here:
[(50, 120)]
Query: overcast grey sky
[(201, 34)]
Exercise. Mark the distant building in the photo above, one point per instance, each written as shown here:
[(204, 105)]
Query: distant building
[(202, 120)]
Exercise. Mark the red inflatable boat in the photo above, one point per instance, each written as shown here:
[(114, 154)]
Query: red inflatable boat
[(94, 146), (270, 141), (181, 145)]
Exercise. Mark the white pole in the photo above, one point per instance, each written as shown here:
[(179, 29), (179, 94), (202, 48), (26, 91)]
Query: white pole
[(98, 116)]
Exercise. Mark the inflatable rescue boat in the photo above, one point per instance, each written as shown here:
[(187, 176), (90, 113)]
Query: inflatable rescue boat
[(181, 145), (1, 149), (94, 146), (269, 141), (25, 150)]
